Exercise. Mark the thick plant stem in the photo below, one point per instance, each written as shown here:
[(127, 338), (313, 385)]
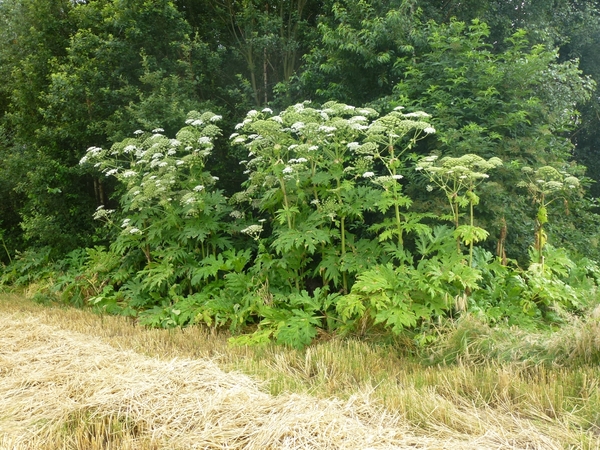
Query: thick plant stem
[(290, 223), (540, 238), (399, 224), (471, 243), (146, 251), (343, 231), (314, 186), (7, 252), (343, 237), (454, 208), (540, 242), (286, 204), (396, 206)]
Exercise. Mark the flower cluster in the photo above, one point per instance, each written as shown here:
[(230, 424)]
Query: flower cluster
[(157, 171), (457, 173), (302, 134), (548, 180), (253, 231)]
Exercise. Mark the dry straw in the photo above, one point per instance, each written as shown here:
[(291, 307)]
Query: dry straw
[(65, 390)]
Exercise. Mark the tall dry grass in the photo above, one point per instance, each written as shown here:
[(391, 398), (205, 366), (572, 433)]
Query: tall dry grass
[(142, 391)]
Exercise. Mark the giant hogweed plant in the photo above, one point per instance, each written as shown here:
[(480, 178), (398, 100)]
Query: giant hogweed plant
[(313, 171), (458, 178), (172, 233), (546, 185), (547, 289), (506, 290), (324, 203), (302, 175), (306, 183), (387, 140), (313, 174), (400, 297)]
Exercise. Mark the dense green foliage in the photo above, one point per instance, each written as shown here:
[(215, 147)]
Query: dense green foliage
[(314, 214)]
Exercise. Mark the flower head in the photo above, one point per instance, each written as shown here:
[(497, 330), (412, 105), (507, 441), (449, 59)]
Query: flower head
[(327, 129), (417, 114), (253, 231)]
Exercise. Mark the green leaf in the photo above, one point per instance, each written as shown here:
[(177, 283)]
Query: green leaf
[(298, 331), (470, 234)]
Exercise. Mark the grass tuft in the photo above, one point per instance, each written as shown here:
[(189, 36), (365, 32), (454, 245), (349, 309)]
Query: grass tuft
[(470, 340)]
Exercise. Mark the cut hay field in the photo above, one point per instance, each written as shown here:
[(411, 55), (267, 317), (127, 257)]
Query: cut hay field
[(70, 379)]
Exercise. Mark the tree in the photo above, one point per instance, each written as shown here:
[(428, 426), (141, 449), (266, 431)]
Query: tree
[(33, 33), (92, 75), (359, 45), (269, 36)]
